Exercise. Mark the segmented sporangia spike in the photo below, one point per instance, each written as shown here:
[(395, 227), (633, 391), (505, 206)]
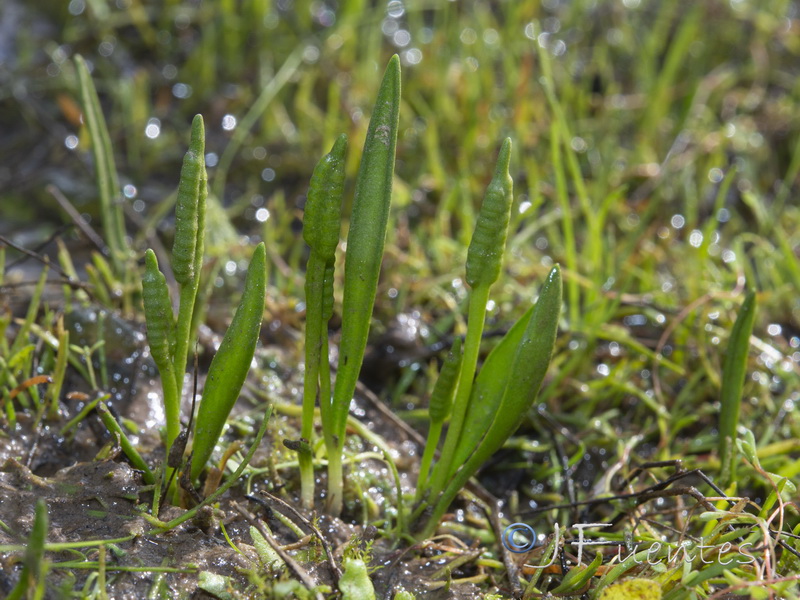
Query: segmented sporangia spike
[(322, 217), (485, 254), (186, 208), (442, 397), (157, 311)]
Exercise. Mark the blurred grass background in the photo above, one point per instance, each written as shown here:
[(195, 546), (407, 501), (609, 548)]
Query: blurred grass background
[(656, 157)]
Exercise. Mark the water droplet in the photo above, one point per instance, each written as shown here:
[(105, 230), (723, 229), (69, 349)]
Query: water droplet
[(677, 221), (169, 71), (715, 175), (412, 56), (76, 7), (401, 38), (106, 48), (395, 9), (468, 36), (490, 36), (153, 128), (181, 90), (310, 54)]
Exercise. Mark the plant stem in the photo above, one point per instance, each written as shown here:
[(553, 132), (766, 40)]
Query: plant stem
[(434, 433), (315, 272), (472, 345), (335, 482), (182, 336)]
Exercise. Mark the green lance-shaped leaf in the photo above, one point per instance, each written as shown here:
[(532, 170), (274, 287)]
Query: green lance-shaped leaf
[(366, 238), (485, 254), (526, 375), (231, 363), (488, 389), (158, 313), (321, 224), (484, 259), (365, 243), (439, 407), (187, 207), (733, 375)]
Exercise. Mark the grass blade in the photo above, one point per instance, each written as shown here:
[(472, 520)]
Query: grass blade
[(130, 451), (108, 189), (31, 581), (733, 373)]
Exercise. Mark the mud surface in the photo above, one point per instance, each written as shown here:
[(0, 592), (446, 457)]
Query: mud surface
[(93, 494)]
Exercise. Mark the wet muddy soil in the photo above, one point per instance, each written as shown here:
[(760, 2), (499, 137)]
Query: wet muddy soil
[(93, 494)]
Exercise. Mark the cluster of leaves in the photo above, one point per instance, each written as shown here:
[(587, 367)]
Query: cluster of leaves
[(621, 140)]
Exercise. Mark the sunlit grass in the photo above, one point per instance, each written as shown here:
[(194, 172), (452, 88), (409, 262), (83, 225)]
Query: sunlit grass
[(655, 159)]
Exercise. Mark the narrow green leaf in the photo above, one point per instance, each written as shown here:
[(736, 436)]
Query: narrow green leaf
[(34, 567), (733, 373), (231, 363), (488, 389), (366, 238), (365, 243), (30, 316), (108, 189), (127, 447), (578, 576), (529, 367), (34, 553)]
